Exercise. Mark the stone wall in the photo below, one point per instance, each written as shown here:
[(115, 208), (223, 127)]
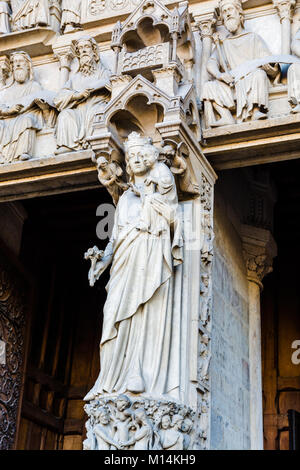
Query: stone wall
[(230, 349)]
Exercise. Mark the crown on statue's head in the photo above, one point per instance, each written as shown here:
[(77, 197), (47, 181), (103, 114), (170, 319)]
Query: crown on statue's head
[(135, 139)]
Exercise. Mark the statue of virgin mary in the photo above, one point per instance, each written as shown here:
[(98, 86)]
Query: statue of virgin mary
[(140, 344)]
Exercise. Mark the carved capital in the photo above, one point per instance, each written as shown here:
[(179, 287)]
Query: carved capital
[(259, 249), (206, 25), (65, 55), (285, 9)]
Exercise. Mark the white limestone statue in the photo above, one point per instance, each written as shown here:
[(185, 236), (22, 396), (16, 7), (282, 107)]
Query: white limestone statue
[(21, 110), (144, 437), (139, 348), (71, 15), (86, 93), (171, 436), (204, 292), (138, 423), (248, 95), (293, 76), (110, 175), (207, 247), (5, 13), (103, 431), (204, 359), (30, 14), (176, 157)]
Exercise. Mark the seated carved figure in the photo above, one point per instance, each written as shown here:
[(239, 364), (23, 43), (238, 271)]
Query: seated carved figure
[(247, 96), (71, 15), (85, 94), (20, 113), (294, 76), (30, 13)]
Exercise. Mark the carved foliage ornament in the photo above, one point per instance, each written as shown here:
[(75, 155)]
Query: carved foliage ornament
[(12, 324)]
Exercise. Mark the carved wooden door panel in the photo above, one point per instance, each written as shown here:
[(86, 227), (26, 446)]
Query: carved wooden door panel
[(14, 298)]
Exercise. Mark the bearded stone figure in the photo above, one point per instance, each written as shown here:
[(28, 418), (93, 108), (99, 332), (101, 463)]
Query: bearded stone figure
[(140, 344), (20, 116), (85, 94), (247, 96)]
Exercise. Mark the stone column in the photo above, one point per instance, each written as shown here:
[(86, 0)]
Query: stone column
[(205, 26), (65, 55), (285, 9), (259, 250)]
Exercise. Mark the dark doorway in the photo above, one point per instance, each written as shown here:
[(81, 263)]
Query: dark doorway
[(281, 311), (63, 357)]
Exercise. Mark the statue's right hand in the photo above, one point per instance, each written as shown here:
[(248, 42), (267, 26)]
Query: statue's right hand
[(227, 78)]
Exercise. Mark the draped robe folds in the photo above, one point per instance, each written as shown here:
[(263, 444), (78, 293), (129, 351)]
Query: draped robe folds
[(293, 78), (32, 13), (75, 119), (71, 12), (141, 330), (4, 17), (17, 133), (251, 90)]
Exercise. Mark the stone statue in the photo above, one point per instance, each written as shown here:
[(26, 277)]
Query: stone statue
[(176, 157), (249, 95), (139, 348), (71, 15), (204, 292), (5, 13), (186, 428), (293, 76), (21, 111), (204, 358), (82, 97), (138, 423), (110, 175), (171, 436), (207, 248), (103, 430), (30, 14), (144, 436)]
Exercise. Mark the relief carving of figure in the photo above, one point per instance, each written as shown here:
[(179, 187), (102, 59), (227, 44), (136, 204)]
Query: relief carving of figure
[(247, 96), (171, 436), (71, 15), (140, 345), (176, 155), (110, 175), (204, 358), (293, 76), (103, 430), (204, 292), (21, 114), (30, 14), (144, 436), (5, 13), (86, 93)]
